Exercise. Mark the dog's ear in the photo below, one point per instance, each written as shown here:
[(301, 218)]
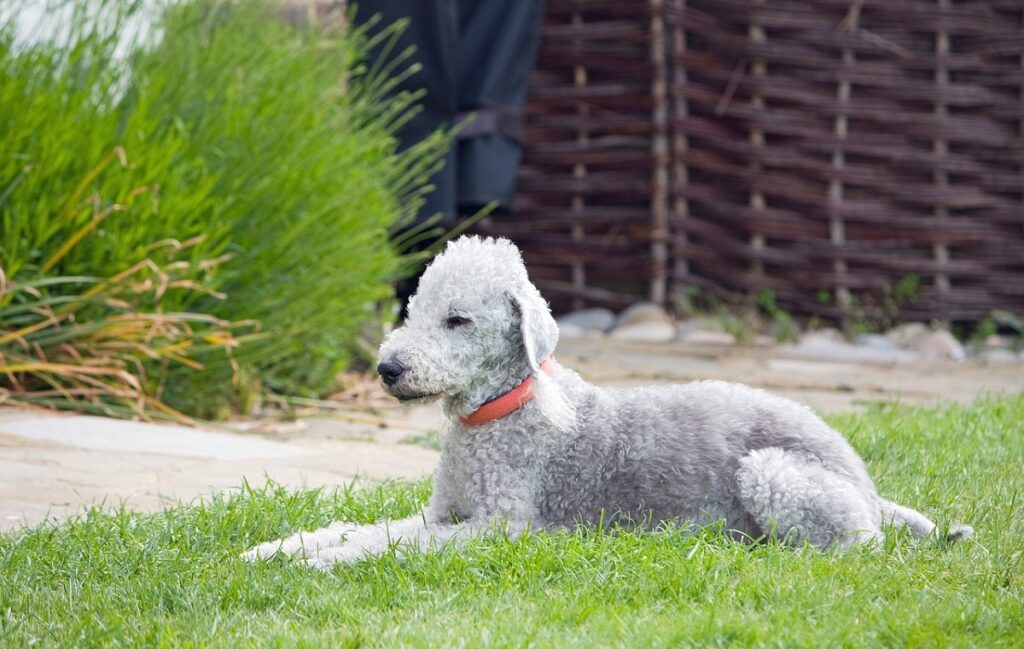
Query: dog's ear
[(539, 333)]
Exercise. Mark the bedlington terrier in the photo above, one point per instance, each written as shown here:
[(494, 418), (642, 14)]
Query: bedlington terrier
[(531, 445)]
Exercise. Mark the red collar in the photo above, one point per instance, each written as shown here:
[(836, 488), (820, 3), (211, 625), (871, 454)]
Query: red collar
[(509, 402)]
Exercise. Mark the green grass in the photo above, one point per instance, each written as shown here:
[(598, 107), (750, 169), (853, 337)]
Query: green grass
[(173, 579)]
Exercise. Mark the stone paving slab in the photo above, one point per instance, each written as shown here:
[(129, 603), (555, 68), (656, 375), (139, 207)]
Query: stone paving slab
[(52, 465), (102, 434)]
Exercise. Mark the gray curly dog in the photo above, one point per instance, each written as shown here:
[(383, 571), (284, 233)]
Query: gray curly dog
[(531, 445)]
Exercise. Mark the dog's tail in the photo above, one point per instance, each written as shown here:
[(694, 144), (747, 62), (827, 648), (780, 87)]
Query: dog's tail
[(919, 524)]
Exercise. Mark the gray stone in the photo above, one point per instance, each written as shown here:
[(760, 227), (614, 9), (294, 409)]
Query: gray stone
[(998, 356), (762, 340), (939, 344), (645, 332), (570, 331), (905, 334), (823, 348), (876, 341), (589, 319), (709, 338), (825, 334), (995, 340), (688, 327), (643, 312)]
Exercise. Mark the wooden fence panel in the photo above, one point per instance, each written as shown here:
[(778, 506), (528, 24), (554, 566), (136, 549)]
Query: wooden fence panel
[(824, 150)]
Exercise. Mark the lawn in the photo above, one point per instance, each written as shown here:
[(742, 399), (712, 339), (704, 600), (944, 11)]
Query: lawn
[(172, 578)]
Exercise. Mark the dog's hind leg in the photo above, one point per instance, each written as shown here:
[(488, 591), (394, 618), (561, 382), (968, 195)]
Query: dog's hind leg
[(918, 524), (794, 498)]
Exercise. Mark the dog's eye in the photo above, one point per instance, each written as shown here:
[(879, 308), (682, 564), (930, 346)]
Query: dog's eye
[(454, 321)]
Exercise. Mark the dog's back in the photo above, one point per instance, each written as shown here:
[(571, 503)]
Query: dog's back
[(672, 452)]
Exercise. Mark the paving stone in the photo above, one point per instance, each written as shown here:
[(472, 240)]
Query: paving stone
[(53, 465), (117, 435)]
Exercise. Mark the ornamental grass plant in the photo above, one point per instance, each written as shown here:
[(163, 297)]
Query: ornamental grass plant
[(270, 147)]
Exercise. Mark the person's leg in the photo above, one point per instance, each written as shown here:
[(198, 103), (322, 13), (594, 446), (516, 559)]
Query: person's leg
[(498, 43), (434, 31)]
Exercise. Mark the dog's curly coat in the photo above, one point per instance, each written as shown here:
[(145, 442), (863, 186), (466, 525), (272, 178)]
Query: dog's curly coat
[(577, 454)]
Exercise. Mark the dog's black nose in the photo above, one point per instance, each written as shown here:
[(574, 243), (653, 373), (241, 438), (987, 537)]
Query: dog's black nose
[(390, 371)]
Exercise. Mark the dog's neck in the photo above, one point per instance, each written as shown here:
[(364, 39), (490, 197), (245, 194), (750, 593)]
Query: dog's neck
[(507, 400)]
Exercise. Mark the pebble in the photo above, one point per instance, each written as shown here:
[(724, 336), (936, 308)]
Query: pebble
[(688, 327), (590, 319), (705, 337), (824, 334), (570, 331), (995, 340), (905, 334), (826, 349), (645, 332), (939, 344), (643, 312), (998, 356), (876, 341)]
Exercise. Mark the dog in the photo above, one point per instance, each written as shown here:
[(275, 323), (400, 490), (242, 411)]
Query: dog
[(531, 445)]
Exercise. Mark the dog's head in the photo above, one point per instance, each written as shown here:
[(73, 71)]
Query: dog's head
[(476, 328)]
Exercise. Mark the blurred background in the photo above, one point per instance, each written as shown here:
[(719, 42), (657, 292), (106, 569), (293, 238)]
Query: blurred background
[(207, 207)]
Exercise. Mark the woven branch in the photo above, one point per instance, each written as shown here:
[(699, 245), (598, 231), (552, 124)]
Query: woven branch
[(816, 147)]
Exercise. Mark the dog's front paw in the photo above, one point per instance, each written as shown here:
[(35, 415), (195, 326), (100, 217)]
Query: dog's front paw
[(326, 558), (303, 543), (269, 550)]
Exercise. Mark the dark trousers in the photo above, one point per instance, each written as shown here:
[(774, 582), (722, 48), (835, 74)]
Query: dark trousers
[(476, 57)]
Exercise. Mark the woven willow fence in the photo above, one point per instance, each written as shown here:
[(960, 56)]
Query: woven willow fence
[(824, 150)]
